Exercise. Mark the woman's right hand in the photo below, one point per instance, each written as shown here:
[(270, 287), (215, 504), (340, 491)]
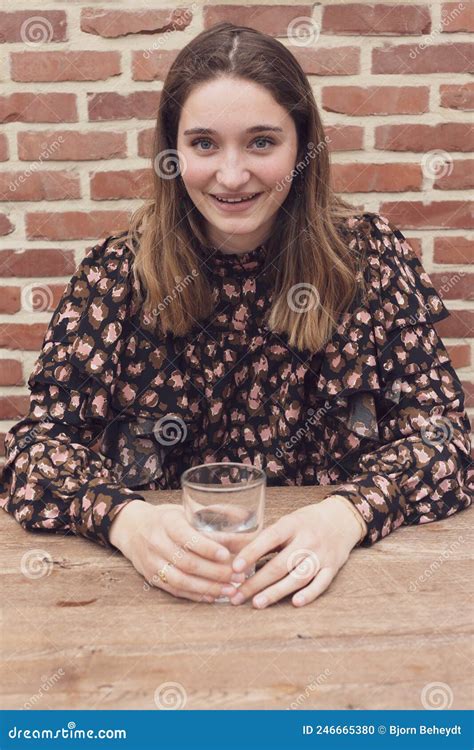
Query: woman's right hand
[(152, 535)]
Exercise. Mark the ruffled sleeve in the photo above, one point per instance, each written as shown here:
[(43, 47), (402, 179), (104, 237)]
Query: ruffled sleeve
[(54, 478), (415, 466)]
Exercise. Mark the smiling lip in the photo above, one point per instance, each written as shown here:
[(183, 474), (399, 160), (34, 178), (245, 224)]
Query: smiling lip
[(235, 207)]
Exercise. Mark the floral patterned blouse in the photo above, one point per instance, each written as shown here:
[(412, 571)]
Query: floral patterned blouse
[(116, 409)]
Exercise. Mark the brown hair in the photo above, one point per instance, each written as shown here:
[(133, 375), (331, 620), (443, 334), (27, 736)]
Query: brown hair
[(307, 252)]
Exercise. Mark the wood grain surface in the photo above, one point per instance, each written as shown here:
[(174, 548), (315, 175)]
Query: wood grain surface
[(87, 634)]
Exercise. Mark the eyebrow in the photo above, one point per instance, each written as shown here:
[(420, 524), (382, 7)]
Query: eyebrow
[(253, 129)]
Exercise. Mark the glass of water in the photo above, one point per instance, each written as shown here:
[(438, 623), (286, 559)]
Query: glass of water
[(225, 501)]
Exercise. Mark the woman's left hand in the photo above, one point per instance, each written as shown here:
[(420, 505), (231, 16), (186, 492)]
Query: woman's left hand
[(315, 542)]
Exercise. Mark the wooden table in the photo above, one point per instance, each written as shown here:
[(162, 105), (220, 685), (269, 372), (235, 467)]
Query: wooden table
[(396, 618)]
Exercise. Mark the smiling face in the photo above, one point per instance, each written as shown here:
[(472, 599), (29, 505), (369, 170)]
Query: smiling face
[(226, 158)]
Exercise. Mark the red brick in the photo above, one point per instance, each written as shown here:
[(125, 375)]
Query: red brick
[(22, 336), (328, 61), (145, 142), (39, 186), (6, 225), (435, 58), (10, 300), (366, 178), (415, 244), (63, 145), (376, 100), (453, 250), (51, 28), (453, 284), (450, 136), (460, 176), (64, 65), (4, 154), (438, 215), (152, 65), (42, 297), (457, 96), (345, 137), (267, 18), (468, 389), (113, 185), (13, 407), (459, 325), (460, 355), (29, 107), (37, 262), (457, 17), (369, 20), (11, 372), (109, 105), (75, 225), (115, 23)]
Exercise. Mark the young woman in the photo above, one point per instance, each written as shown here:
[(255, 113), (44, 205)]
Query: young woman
[(289, 331)]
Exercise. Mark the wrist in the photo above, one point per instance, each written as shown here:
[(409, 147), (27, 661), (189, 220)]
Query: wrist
[(352, 521), (124, 524)]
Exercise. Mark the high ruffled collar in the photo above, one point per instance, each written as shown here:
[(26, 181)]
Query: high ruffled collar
[(224, 263)]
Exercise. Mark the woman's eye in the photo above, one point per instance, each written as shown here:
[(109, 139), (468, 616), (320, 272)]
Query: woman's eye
[(261, 138)]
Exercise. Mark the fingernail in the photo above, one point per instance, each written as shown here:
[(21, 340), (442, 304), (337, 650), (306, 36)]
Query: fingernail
[(298, 600), (260, 601), (237, 599), (238, 577), (222, 554), (239, 564), (228, 590)]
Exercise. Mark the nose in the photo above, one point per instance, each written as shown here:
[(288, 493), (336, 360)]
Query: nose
[(232, 175)]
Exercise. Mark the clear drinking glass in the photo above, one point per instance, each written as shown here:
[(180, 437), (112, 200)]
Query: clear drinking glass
[(225, 501)]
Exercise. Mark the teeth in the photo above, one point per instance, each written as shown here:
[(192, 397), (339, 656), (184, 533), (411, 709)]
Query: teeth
[(235, 200)]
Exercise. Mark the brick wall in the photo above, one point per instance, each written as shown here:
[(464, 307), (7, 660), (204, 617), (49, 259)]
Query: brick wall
[(79, 100)]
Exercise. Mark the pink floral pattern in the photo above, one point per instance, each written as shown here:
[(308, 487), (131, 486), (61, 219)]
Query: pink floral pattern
[(116, 409)]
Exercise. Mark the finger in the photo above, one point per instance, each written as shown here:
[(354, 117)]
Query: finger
[(315, 588), (181, 532), (280, 567), (181, 581), (183, 594), (267, 540), (189, 562)]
